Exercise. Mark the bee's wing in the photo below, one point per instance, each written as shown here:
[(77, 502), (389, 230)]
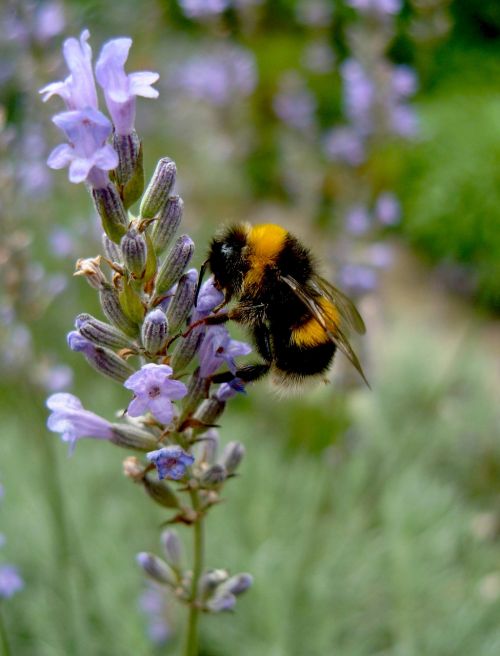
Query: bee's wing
[(349, 315), (335, 332)]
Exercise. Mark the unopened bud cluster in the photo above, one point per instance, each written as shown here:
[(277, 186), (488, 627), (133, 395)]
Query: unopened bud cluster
[(216, 591)]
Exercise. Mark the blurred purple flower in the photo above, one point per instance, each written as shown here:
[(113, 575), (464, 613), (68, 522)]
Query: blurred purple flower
[(218, 348), (314, 13), (294, 104), (359, 94), (119, 88), (377, 6), (49, 20), (171, 461), (357, 220), (203, 8), (10, 581), (345, 145), (404, 81), (78, 89), (380, 255), (387, 209), (74, 422), (152, 604), (404, 121), (357, 279), (88, 155), (154, 391), (56, 377), (217, 78), (319, 57), (61, 242)]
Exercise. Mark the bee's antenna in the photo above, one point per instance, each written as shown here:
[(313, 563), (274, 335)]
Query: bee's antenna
[(203, 269)]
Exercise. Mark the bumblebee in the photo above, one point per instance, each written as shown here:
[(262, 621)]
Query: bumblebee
[(297, 319)]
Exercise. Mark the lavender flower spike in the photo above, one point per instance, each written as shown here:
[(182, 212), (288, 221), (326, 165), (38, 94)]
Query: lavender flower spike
[(119, 88), (170, 461), (71, 419), (154, 391), (78, 89), (88, 155)]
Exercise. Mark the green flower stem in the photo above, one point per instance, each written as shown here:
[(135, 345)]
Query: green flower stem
[(191, 648), (3, 636)]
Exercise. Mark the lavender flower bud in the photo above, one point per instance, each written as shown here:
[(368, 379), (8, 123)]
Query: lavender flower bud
[(102, 334), (128, 147), (210, 442), (161, 183), (167, 223), (133, 468), (132, 437), (111, 250), (209, 411), (222, 602), (134, 251), (175, 263), (154, 331), (232, 456), (111, 210), (213, 476), (182, 303), (112, 308), (161, 492), (186, 349), (196, 393), (90, 267), (101, 359), (237, 584), (210, 581), (156, 568), (172, 548)]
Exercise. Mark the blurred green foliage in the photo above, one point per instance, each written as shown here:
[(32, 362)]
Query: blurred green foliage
[(365, 546), (451, 183)]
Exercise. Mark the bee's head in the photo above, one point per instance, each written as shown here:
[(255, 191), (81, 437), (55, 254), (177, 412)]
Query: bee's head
[(227, 258)]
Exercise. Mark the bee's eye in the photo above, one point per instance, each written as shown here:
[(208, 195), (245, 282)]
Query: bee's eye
[(226, 249)]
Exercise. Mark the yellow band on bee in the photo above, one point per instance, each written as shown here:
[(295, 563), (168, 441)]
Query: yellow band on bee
[(312, 333), (265, 242)]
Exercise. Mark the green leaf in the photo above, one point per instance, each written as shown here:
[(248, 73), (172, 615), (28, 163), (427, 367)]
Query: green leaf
[(131, 303)]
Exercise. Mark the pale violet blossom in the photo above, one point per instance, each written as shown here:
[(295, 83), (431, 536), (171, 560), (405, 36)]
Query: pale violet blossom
[(170, 461), (218, 348), (70, 418), (119, 87), (154, 390), (78, 89), (88, 155)]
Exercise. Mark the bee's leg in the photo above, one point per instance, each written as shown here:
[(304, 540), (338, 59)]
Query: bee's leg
[(247, 374), (262, 338)]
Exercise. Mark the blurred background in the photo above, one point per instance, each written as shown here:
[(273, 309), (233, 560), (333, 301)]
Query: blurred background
[(370, 519)]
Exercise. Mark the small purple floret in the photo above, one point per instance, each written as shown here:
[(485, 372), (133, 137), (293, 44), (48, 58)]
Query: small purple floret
[(228, 390), (88, 155), (218, 348), (119, 88), (78, 89), (170, 461), (10, 581), (154, 391), (70, 418)]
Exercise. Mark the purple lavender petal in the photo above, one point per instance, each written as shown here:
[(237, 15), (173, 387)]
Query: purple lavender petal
[(10, 581)]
